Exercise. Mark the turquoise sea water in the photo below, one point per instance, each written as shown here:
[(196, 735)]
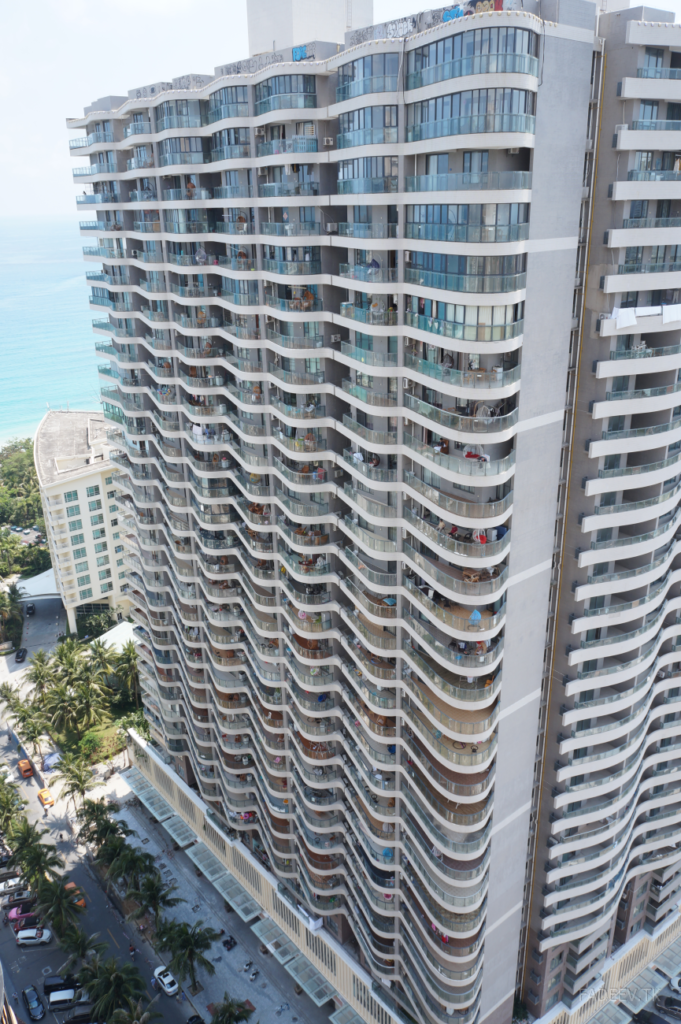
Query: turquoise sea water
[(47, 348)]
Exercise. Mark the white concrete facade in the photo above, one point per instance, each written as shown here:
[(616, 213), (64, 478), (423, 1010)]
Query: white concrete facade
[(80, 510)]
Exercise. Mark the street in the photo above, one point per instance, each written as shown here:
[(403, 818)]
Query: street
[(40, 630)]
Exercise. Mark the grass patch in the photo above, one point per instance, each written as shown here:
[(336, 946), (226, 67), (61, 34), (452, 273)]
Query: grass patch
[(110, 742)]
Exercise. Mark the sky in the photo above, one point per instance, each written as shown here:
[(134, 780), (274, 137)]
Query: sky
[(60, 55)]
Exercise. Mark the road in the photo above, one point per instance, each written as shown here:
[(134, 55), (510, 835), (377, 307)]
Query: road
[(40, 630), (28, 966)]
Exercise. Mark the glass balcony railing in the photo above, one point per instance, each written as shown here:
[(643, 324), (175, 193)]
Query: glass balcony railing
[(651, 222), (366, 137), (297, 144), (363, 86), (356, 230), (178, 121), (474, 124), (472, 180), (492, 283), (378, 317), (290, 229), (648, 268), (468, 232), (98, 168), (169, 159), (370, 275), (655, 126), (139, 163), (137, 128), (286, 101), (230, 152), (227, 110), (487, 63), (673, 73), (95, 138), (278, 189), (353, 186)]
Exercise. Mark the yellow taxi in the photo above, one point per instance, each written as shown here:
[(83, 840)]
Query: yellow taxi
[(46, 798), (78, 897)]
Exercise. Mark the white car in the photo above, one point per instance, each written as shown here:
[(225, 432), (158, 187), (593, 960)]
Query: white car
[(12, 898), (34, 937), (10, 885), (675, 984), (166, 981), (6, 772)]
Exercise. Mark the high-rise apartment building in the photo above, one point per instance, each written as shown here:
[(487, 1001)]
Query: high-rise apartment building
[(71, 455), (349, 351)]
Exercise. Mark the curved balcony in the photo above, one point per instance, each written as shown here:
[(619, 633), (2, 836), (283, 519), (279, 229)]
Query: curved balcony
[(471, 125), (482, 64)]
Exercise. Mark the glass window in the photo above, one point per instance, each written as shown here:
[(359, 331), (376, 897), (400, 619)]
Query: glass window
[(77, 524), (92, 492), (74, 510), (79, 538), (70, 496), (96, 520), (84, 594), (82, 580), (94, 505)]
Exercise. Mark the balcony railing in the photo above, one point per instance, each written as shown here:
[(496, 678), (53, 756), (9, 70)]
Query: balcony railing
[(355, 230), (471, 125), (91, 140), (352, 186), (363, 86), (378, 317), (520, 63), (297, 144), (277, 189), (470, 180), (137, 128), (655, 126), (286, 101), (475, 283), (366, 137), (468, 232)]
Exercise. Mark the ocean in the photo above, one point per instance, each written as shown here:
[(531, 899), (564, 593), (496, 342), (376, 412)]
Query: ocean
[(47, 348)]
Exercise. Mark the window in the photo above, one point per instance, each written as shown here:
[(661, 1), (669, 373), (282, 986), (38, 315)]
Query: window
[(113, 508), (550, 1003), (108, 481), (121, 575), (98, 534), (92, 492), (84, 594), (118, 549), (111, 494), (79, 553), (116, 535), (639, 909), (105, 574), (119, 561), (644, 888), (74, 510), (96, 520), (94, 505), (103, 560), (81, 567), (79, 538), (70, 496), (82, 580), (114, 522), (106, 587), (102, 546), (556, 960), (555, 980), (77, 524)]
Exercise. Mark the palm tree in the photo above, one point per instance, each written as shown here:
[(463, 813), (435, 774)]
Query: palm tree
[(136, 1013), (76, 777), (154, 895), (102, 659), (23, 837), (40, 674), (98, 824), (80, 947), (132, 864), (11, 805), (111, 985), (90, 706), (126, 669), (57, 903), (231, 1011), (41, 861), (32, 730), (58, 705), (187, 945), (67, 659)]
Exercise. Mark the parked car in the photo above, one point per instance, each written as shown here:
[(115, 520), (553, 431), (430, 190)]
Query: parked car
[(33, 1003), (19, 913), (649, 1017), (16, 899), (11, 885), (6, 772), (46, 798), (166, 981), (30, 608), (669, 1005), (34, 937), (25, 769), (57, 982), (32, 921), (21, 655), (675, 983), (78, 897)]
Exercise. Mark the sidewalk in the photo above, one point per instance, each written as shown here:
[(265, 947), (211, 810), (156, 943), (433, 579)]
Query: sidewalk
[(274, 985)]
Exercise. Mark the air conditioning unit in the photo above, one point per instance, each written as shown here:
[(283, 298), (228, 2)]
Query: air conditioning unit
[(260, 131), (335, 337), (338, 473), (288, 169), (261, 170), (514, 152), (331, 228), (328, 141), (407, 256), (407, 383)]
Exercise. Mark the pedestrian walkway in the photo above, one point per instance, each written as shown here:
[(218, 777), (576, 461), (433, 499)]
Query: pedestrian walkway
[(273, 987)]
